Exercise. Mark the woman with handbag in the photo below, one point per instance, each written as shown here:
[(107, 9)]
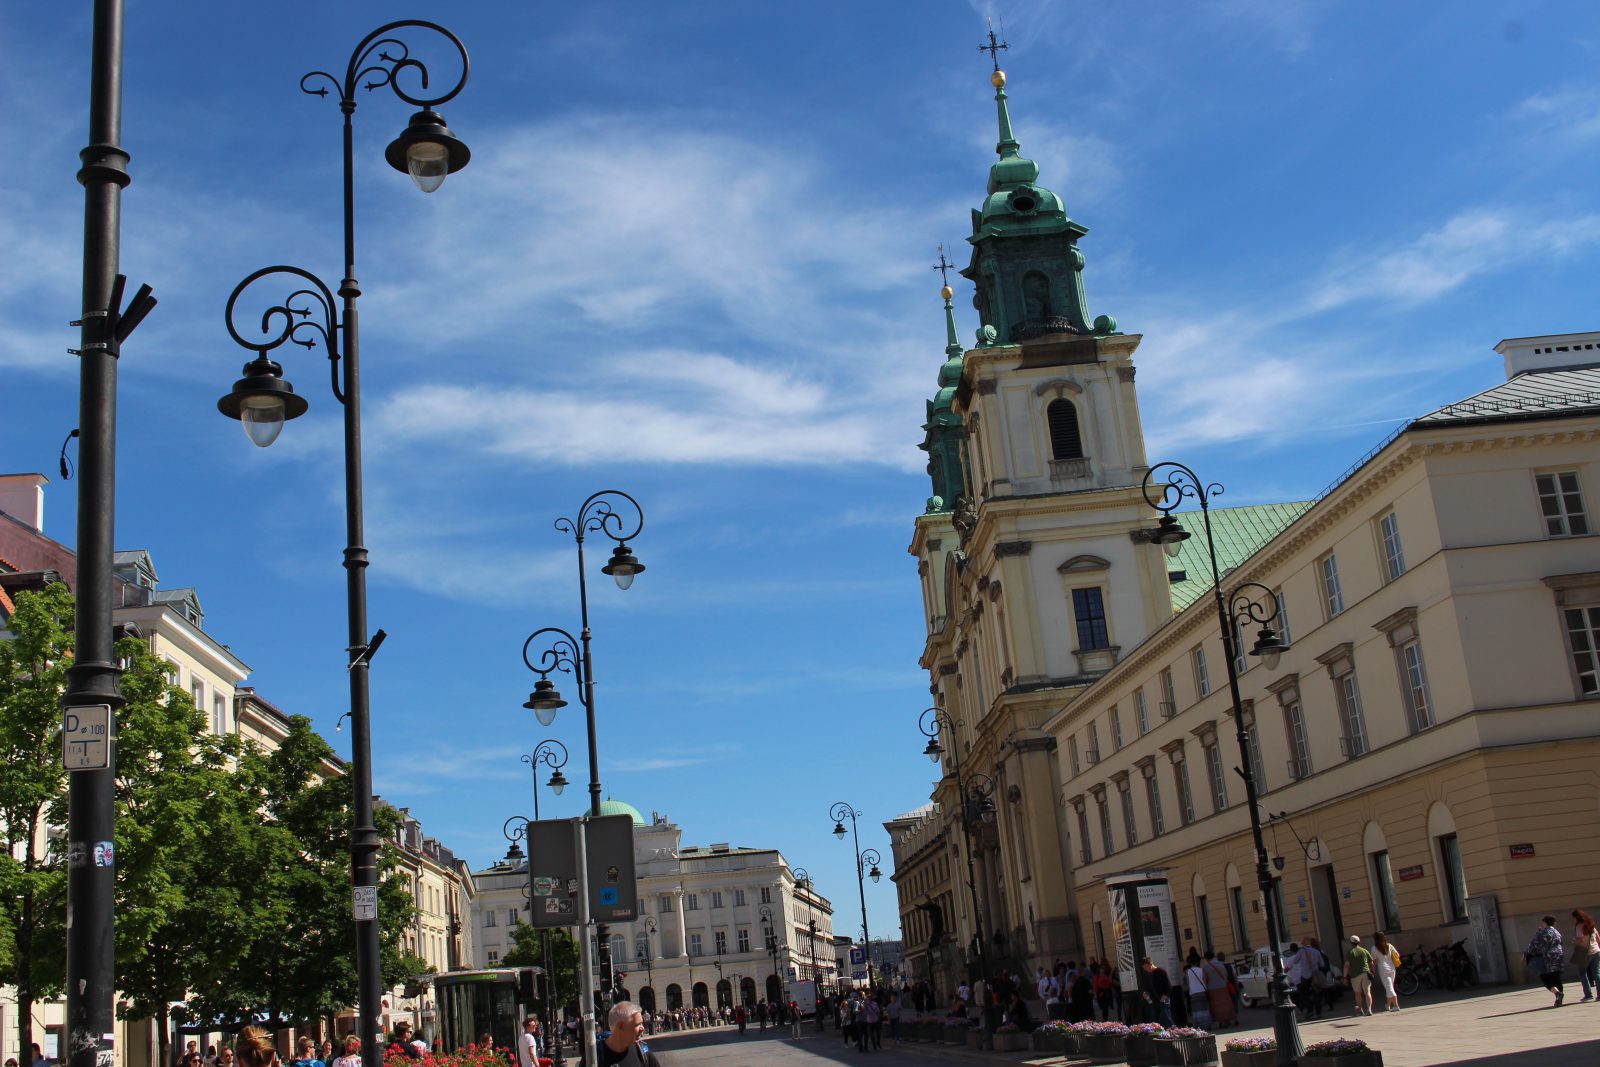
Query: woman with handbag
[(1544, 952), (1586, 954)]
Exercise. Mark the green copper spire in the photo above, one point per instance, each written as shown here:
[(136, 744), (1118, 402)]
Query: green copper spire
[(1025, 259), (944, 434)]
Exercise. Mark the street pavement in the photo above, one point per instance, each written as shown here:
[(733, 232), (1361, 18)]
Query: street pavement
[(1490, 1028)]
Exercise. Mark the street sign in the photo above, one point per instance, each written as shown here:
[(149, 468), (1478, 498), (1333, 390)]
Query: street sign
[(364, 903), (86, 738), (858, 955), (609, 882)]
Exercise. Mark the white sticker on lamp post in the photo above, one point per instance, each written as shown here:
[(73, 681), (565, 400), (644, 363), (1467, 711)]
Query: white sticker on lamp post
[(86, 738)]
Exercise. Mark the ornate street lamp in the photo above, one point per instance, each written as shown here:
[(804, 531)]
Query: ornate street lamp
[(562, 652), (772, 945), (552, 754), (262, 400), (864, 859), (975, 792), (1176, 483)]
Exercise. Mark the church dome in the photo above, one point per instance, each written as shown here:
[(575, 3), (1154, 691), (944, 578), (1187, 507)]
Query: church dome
[(610, 806)]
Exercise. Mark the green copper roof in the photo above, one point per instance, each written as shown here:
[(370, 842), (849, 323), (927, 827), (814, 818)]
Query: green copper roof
[(1016, 203), (1239, 533), (609, 806), (943, 430)]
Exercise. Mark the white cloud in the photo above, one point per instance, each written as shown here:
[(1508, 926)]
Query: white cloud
[(1569, 115)]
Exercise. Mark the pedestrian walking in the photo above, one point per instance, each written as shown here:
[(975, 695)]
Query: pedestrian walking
[(1386, 961), (1544, 953), (1586, 954), (1358, 972), (350, 1055), (1219, 998), (305, 1054), (254, 1048)]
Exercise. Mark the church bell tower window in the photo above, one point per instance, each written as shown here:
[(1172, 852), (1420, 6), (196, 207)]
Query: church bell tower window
[(1065, 440)]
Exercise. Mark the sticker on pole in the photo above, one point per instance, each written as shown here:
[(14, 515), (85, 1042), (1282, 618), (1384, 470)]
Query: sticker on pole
[(86, 738), (364, 903)]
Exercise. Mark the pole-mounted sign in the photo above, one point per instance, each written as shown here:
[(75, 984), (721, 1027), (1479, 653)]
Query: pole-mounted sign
[(86, 738)]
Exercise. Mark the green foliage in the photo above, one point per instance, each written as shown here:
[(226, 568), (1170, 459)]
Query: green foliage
[(33, 880), (527, 950)]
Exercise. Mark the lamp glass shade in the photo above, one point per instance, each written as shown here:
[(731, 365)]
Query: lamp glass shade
[(1270, 658), (623, 566), (557, 782), (934, 750), (1172, 548), (838, 829), (262, 418), (546, 714), (428, 163), (875, 874), (623, 580)]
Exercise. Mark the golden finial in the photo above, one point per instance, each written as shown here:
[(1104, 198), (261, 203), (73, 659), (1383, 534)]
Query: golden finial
[(947, 292), (998, 79)]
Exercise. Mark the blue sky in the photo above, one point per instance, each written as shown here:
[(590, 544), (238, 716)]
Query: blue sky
[(690, 259)]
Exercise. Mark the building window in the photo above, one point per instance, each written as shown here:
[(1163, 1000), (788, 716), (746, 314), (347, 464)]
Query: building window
[(1202, 922), (1383, 879), (744, 940), (1116, 728), (1219, 781), (1089, 609), (197, 690), (694, 945), (1252, 738), (1083, 835), (219, 714), (1094, 744), (1241, 927), (1583, 635), (1241, 658), (721, 938), (1072, 755), (1294, 721), (716, 898), (488, 918), (512, 919), (1561, 504), (1394, 557), (766, 894), (1454, 877), (641, 947), (1282, 621), (1202, 676), (1332, 595), (738, 898), (1065, 440), (1158, 823), (1415, 684), (494, 956), (1169, 695), (1141, 711), (691, 902), (1106, 840), (1130, 825), (1180, 772), (666, 903)]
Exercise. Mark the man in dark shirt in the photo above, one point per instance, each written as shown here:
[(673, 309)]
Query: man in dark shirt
[(622, 1046), (1158, 992)]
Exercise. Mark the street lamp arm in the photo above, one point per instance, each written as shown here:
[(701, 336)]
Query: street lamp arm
[(841, 811), (546, 752), (515, 828), (599, 514), (870, 857), (392, 56), (1177, 483), (1244, 603), (561, 655)]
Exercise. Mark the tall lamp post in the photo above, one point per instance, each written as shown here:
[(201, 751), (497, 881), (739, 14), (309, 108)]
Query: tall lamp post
[(976, 793), (1166, 485), (598, 514), (553, 754), (647, 961), (771, 933), (838, 813), (802, 881), (92, 692), (262, 400)]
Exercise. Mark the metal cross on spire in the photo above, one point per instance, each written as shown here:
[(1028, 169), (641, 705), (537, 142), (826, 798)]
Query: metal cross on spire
[(944, 266), (995, 46)]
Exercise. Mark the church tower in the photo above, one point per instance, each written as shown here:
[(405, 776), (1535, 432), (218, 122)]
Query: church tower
[(1033, 579)]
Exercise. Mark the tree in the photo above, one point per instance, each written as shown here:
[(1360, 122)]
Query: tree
[(185, 904), (33, 879), (527, 950)]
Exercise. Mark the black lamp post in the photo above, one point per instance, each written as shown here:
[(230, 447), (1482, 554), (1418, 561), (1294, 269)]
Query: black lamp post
[(263, 400), (552, 754), (869, 857), (772, 946), (802, 882), (1177, 482), (598, 514), (92, 693), (647, 961), (976, 792), (717, 963)]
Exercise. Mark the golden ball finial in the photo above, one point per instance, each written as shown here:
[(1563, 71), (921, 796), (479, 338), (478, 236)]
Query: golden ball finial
[(999, 79), (947, 292)]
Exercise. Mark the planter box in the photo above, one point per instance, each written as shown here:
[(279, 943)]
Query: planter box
[(975, 1037), (1186, 1051), (1101, 1048), (1011, 1042), (1372, 1058), (954, 1035), (930, 1031), (1045, 1041), (1269, 1058), (1140, 1050)]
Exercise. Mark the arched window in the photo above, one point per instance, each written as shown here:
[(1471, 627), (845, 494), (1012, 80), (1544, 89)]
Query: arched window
[(1065, 441)]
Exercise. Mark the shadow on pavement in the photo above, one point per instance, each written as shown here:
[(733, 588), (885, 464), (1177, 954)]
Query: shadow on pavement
[(1584, 1053)]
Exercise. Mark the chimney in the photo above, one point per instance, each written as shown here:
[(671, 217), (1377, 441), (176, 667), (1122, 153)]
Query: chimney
[(1555, 351), (22, 497)]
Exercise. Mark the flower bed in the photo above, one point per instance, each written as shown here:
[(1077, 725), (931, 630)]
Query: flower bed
[(1139, 1044), (1100, 1042), (1186, 1046), (1055, 1036), (1343, 1052), (1009, 1037)]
